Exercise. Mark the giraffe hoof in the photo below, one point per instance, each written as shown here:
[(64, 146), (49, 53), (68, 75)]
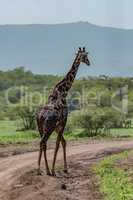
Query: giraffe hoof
[(53, 173), (48, 173), (39, 173), (65, 171)]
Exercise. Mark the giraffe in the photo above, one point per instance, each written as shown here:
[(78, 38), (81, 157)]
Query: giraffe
[(53, 116)]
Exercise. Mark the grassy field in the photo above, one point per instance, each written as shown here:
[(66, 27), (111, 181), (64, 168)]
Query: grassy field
[(9, 133), (114, 133), (114, 182), (122, 132)]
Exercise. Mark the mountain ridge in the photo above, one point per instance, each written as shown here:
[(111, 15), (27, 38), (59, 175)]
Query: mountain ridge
[(49, 49), (65, 23)]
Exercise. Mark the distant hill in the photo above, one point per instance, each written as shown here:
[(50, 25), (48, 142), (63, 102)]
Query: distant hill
[(50, 49)]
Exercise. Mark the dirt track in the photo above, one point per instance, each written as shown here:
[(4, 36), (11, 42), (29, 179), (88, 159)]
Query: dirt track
[(18, 179)]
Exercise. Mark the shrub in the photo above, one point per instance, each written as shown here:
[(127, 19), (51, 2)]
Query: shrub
[(96, 121), (27, 115)]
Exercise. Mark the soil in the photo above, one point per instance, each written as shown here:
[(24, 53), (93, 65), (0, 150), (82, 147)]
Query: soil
[(19, 179)]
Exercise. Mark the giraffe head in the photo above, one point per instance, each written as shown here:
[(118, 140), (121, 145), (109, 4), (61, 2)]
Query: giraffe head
[(83, 56)]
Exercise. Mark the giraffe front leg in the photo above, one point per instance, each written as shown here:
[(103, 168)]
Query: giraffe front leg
[(55, 154)]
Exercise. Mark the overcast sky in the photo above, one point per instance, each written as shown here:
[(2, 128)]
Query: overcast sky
[(115, 13)]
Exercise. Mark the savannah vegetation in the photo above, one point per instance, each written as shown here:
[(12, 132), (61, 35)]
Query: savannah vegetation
[(95, 105), (114, 181)]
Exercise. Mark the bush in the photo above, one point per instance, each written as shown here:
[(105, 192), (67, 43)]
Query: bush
[(27, 115), (96, 121)]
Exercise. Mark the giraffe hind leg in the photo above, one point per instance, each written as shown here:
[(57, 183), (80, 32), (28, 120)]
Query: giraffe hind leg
[(39, 159), (47, 128), (45, 158)]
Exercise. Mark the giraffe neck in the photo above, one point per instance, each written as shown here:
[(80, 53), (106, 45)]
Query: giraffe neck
[(70, 76), (60, 91), (63, 86)]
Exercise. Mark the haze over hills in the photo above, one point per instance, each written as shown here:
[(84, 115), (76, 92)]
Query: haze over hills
[(50, 49)]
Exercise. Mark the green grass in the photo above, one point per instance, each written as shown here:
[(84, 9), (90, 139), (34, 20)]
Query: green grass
[(75, 134), (116, 132), (8, 133), (122, 132), (7, 127), (115, 183), (19, 137)]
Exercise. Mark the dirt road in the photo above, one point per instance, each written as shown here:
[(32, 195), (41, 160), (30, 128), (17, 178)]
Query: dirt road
[(18, 179)]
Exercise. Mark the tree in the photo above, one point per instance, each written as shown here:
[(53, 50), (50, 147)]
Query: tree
[(27, 115), (97, 121)]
